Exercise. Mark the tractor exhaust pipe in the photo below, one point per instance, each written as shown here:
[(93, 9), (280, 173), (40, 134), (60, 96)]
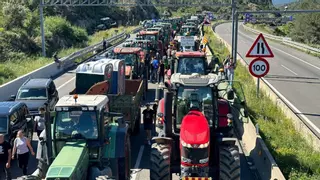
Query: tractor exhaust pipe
[(168, 97)]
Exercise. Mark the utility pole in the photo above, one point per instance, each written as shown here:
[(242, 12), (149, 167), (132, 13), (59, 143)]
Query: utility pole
[(234, 32), (43, 43)]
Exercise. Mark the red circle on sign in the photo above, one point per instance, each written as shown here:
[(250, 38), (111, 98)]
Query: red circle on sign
[(252, 71)]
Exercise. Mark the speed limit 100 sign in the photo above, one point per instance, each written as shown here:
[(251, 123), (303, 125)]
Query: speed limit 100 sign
[(259, 67)]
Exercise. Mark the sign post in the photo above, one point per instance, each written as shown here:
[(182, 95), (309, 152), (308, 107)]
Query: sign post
[(259, 67)]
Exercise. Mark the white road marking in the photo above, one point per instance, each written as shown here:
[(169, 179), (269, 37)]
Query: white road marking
[(289, 69), (65, 83), (136, 166), (285, 53), (285, 99)]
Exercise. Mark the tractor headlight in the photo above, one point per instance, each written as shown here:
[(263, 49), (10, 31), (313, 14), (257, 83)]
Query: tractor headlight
[(184, 144), (185, 160), (203, 161), (205, 145)]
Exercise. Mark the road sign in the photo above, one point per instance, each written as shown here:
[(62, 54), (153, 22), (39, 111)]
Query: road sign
[(187, 41), (260, 48), (259, 67)]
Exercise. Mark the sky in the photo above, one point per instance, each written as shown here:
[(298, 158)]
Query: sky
[(276, 2)]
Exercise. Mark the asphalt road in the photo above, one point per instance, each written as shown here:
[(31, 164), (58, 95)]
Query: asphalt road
[(293, 73), (139, 151)]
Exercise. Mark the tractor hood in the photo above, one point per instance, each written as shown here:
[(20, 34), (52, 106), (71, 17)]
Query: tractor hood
[(194, 129), (71, 160)]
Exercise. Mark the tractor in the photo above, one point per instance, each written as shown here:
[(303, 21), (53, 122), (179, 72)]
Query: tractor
[(192, 62), (85, 142), (190, 142), (156, 42)]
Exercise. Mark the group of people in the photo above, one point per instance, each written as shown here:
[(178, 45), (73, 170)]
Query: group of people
[(20, 149), (229, 67)]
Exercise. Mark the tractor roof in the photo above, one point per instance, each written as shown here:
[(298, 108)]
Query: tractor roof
[(127, 50), (178, 38), (149, 32), (154, 29), (95, 67), (141, 40), (83, 100), (190, 54), (188, 26), (194, 79)]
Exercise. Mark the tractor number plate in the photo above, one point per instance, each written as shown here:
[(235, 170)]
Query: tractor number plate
[(196, 178)]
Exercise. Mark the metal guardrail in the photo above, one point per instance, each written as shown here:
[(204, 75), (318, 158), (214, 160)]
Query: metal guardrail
[(285, 40), (95, 47)]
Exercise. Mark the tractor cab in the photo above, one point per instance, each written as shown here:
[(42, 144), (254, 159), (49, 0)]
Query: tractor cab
[(154, 37), (134, 60), (140, 43), (195, 20), (187, 43), (189, 62), (187, 30), (80, 135)]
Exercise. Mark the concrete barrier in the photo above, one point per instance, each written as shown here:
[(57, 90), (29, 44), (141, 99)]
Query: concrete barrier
[(51, 70), (264, 163)]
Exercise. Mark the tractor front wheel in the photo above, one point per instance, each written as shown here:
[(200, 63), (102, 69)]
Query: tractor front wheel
[(160, 162), (229, 163)]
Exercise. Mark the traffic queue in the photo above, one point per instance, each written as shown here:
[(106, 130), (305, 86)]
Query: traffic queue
[(108, 93)]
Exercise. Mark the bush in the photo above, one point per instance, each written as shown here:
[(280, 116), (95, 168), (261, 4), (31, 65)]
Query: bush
[(60, 34)]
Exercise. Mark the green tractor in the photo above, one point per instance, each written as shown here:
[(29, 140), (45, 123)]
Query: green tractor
[(84, 142)]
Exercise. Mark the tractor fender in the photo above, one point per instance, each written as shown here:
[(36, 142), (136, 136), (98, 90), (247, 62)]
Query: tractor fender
[(230, 141), (117, 138), (162, 140)]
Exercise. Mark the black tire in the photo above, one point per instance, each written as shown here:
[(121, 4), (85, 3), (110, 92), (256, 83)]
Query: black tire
[(229, 163), (125, 163), (160, 162), (136, 129)]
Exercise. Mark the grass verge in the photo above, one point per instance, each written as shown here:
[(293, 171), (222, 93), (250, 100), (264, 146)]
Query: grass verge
[(296, 159), (12, 69)]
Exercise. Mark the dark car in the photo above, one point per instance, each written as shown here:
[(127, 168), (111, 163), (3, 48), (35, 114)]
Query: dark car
[(13, 117), (38, 93)]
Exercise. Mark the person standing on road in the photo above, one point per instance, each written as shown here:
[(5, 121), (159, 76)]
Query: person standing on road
[(39, 124), (161, 72), (5, 157), (104, 44), (230, 66), (148, 115), (155, 65), (21, 146)]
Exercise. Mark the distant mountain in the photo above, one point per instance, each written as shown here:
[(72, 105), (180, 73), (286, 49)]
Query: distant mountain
[(281, 2)]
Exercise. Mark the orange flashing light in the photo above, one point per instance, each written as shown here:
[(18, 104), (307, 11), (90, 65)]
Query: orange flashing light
[(75, 97), (221, 70)]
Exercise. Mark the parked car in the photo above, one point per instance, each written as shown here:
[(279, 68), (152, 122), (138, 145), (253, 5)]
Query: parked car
[(37, 93), (13, 117)]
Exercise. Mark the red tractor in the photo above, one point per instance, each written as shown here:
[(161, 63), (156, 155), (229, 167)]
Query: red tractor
[(190, 141)]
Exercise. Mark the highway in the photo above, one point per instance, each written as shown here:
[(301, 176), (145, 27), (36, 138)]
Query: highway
[(293, 73), (139, 151)]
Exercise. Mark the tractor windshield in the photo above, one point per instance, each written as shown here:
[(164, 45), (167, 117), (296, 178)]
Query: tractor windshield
[(76, 125), (185, 99), (189, 65), (150, 37), (129, 59), (3, 124)]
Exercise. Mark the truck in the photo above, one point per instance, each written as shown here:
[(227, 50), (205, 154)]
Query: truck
[(85, 141), (107, 77)]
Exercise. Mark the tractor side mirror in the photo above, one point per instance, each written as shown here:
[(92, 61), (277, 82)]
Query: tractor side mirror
[(12, 97), (230, 94)]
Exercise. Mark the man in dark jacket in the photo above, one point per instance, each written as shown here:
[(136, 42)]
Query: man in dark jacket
[(5, 157)]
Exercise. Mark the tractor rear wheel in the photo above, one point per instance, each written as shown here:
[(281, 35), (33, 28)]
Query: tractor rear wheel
[(229, 163), (160, 162)]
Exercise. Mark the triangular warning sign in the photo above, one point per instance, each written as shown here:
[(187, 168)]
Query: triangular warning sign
[(260, 48)]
